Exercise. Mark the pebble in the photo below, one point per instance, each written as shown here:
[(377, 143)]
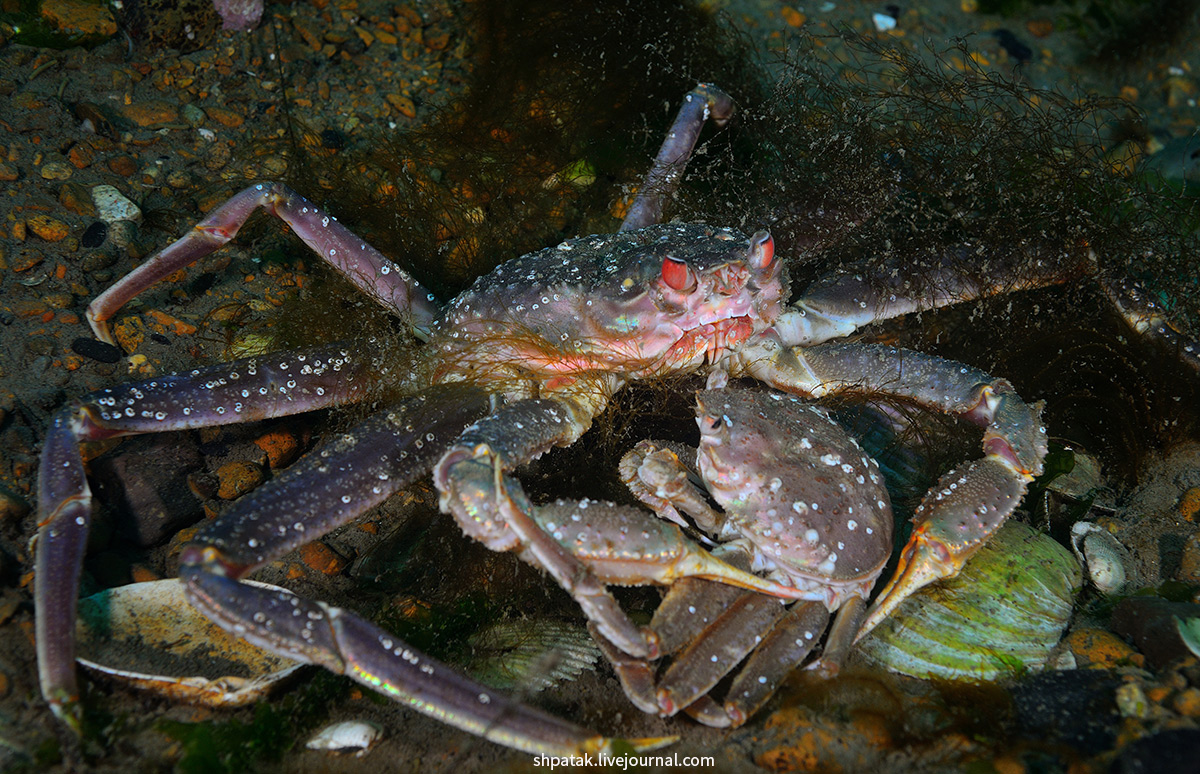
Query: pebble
[(150, 113), (48, 228), (100, 351), (1187, 702), (238, 477), (1100, 648), (112, 205), (225, 116), (322, 558), (281, 447), (56, 170)]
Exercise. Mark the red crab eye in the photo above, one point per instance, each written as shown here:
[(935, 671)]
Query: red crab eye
[(762, 250), (677, 275)]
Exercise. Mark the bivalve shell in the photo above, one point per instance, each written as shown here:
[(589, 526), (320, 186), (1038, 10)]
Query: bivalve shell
[(349, 736), (1002, 614), (1109, 565), (147, 635)]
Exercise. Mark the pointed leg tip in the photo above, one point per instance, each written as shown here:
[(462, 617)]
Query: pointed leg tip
[(649, 743)]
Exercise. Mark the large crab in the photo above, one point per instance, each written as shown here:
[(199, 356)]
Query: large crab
[(521, 362)]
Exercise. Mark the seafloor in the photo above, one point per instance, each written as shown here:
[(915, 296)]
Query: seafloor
[(454, 133)]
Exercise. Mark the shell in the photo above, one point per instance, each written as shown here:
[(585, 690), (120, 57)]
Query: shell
[(1002, 614), (531, 655), (146, 635), (1109, 565), (356, 736)]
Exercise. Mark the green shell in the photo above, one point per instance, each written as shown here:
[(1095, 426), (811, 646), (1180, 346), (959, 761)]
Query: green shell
[(1003, 614)]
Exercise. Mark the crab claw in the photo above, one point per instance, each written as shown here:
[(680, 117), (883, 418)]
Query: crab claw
[(953, 522)]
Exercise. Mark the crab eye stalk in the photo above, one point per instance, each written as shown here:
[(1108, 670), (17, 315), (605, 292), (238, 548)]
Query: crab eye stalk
[(762, 250), (678, 275)]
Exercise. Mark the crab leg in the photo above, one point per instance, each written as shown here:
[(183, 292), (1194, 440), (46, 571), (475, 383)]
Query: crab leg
[(492, 507), (969, 503), (361, 263), (242, 391), (701, 103), (381, 456), (836, 306)]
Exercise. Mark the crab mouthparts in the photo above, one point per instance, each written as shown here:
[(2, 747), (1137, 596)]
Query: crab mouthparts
[(710, 339)]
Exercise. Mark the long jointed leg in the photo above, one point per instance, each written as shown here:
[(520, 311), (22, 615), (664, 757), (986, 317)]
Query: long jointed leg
[(242, 391), (838, 305), (970, 502), (491, 506), (701, 103), (327, 488), (361, 263)]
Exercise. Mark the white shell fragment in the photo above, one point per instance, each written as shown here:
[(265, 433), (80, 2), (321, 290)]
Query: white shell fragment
[(1107, 562), (146, 635), (356, 736), (112, 206)]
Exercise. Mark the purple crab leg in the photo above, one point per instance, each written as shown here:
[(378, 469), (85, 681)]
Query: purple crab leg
[(700, 104), (970, 502), (836, 306), (361, 263), (242, 391), (491, 506), (379, 457)]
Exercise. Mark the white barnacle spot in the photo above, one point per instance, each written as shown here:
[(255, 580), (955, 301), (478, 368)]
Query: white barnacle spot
[(762, 679), (805, 443), (775, 484), (484, 698), (345, 498), (811, 535), (847, 468), (831, 459), (799, 507), (852, 525), (714, 659)]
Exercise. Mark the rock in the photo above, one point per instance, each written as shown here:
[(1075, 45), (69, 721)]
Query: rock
[(1076, 707), (1149, 622), (238, 477), (146, 480), (1167, 752), (112, 205)]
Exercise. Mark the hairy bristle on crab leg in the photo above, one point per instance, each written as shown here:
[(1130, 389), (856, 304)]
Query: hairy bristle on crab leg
[(362, 264)]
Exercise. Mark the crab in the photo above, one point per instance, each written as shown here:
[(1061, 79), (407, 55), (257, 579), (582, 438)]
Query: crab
[(801, 503), (521, 362)]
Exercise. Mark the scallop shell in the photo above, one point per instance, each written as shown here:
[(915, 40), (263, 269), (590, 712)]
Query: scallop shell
[(531, 654), (147, 635), (1002, 614)]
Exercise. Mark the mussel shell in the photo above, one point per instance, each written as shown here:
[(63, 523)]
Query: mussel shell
[(1001, 615), (146, 635)]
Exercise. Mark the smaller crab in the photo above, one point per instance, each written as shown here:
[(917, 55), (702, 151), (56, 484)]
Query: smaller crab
[(801, 503)]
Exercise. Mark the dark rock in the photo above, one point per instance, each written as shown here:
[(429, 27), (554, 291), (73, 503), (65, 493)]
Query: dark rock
[(1149, 623), (96, 350), (1168, 752), (146, 479), (1076, 707), (94, 235)]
